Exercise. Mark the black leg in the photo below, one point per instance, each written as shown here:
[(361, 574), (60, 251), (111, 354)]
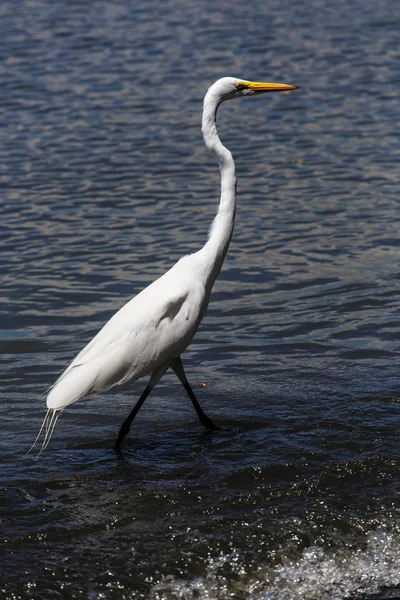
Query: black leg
[(155, 376), (126, 425), (177, 367)]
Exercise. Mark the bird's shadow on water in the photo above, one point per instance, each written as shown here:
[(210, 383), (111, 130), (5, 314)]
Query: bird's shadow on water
[(162, 447), (180, 436), (179, 440)]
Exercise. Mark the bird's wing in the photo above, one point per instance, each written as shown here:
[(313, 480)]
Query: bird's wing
[(156, 325)]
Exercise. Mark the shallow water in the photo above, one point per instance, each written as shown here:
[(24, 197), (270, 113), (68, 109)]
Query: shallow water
[(105, 183)]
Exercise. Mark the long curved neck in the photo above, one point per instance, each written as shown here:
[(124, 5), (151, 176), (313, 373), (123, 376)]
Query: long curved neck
[(222, 228)]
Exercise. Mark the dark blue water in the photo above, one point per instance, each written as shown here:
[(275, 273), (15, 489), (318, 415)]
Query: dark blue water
[(105, 183)]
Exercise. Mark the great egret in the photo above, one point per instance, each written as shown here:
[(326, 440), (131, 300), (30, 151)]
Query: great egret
[(149, 333)]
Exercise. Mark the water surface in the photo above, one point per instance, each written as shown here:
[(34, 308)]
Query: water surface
[(105, 184)]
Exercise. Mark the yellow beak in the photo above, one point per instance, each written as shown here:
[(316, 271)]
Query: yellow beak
[(261, 86)]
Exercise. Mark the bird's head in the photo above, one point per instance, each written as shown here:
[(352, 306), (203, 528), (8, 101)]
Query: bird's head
[(231, 87)]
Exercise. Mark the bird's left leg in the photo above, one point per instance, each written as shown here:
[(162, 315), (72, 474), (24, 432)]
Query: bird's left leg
[(126, 425), (177, 368)]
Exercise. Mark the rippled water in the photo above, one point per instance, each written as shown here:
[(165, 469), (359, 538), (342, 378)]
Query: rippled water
[(105, 183)]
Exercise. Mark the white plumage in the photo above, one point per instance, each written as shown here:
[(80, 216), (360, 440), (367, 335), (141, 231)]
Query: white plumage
[(156, 324), (151, 331)]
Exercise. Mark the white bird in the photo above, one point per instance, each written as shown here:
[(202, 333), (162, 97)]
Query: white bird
[(149, 333)]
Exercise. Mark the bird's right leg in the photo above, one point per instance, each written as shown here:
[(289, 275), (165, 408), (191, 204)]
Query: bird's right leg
[(126, 425), (178, 369)]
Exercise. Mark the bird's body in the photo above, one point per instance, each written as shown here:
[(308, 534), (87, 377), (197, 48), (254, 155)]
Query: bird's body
[(151, 331), (158, 323)]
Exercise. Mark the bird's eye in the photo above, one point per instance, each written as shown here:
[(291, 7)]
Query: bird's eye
[(241, 85)]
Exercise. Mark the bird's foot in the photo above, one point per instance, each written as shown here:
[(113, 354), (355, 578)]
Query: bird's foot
[(208, 424)]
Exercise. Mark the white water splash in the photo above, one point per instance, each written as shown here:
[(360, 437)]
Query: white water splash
[(316, 575)]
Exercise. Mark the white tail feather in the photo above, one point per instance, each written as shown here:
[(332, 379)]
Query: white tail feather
[(49, 424)]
